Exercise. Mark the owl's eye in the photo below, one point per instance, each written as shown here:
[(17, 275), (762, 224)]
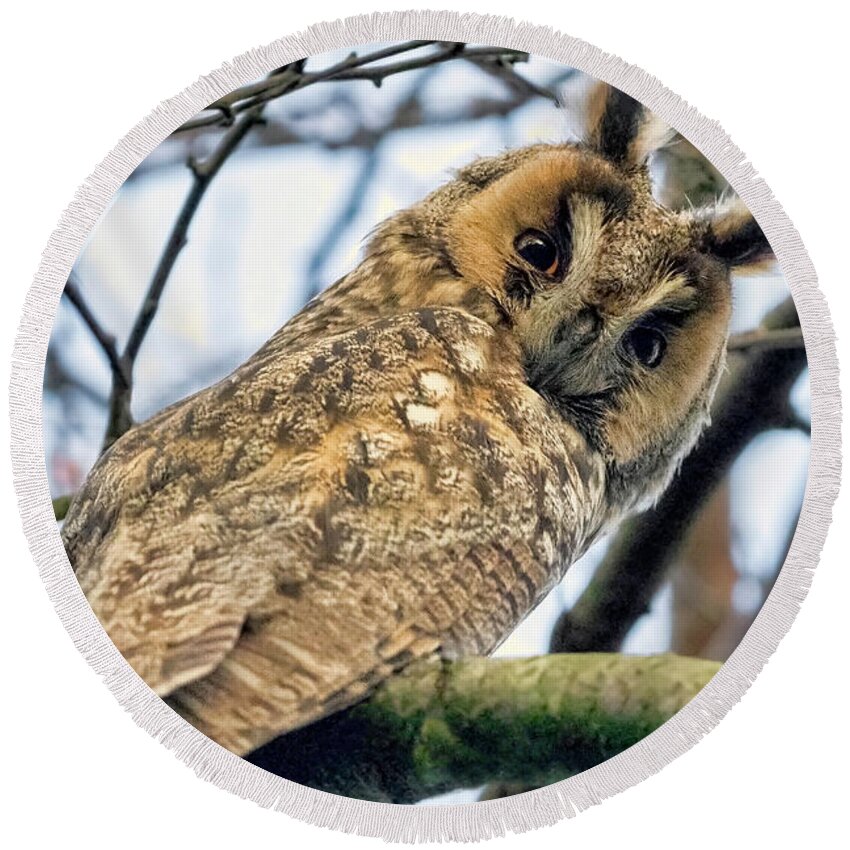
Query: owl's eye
[(646, 345), (537, 249)]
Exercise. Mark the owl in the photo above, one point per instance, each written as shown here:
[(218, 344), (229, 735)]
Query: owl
[(411, 463)]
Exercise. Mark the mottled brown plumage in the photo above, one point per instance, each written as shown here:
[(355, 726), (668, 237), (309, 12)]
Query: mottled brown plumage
[(413, 461)]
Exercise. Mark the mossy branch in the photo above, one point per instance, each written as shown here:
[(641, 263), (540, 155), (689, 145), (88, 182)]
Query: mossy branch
[(442, 725), (60, 506)]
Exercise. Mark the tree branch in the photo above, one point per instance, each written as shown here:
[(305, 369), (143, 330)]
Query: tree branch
[(442, 725), (60, 506), (503, 69), (281, 78), (203, 173), (362, 135), (761, 339), (354, 67), (105, 340), (752, 399)]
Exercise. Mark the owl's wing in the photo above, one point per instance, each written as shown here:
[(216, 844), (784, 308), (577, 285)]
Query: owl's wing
[(268, 551), (314, 657)]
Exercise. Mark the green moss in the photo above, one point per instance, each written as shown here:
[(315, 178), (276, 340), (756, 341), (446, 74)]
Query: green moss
[(60, 507), (533, 721), (434, 752)]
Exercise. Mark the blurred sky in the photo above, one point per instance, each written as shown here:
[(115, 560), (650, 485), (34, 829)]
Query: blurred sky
[(281, 219)]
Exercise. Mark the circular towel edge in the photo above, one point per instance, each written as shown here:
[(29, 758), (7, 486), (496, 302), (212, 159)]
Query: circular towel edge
[(471, 821)]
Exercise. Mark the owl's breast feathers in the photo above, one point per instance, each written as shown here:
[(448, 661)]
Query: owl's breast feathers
[(265, 552)]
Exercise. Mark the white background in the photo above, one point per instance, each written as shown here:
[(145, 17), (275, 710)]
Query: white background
[(79, 772)]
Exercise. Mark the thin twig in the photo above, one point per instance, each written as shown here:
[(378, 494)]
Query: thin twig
[(353, 67), (363, 136), (203, 172), (282, 77), (507, 73), (104, 339), (379, 73)]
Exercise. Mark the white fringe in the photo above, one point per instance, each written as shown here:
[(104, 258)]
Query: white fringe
[(473, 821)]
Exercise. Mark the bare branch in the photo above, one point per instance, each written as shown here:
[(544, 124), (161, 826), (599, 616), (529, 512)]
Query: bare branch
[(282, 78), (352, 68), (104, 339), (505, 70), (379, 73), (203, 172), (363, 136), (120, 419)]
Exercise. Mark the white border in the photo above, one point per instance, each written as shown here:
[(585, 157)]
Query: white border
[(408, 823)]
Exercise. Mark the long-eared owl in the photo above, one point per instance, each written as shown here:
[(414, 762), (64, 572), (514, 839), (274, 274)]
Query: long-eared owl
[(413, 461)]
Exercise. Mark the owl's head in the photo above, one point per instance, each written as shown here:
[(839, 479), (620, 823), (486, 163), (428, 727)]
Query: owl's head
[(621, 307)]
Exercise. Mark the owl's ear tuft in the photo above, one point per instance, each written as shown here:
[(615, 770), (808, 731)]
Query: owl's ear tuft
[(621, 128), (732, 235)]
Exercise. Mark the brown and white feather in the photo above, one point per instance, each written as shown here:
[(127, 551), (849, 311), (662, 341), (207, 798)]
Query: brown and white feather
[(416, 458)]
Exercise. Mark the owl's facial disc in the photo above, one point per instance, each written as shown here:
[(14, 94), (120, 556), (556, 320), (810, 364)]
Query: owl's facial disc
[(629, 345), (630, 371), (620, 307), (594, 280)]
